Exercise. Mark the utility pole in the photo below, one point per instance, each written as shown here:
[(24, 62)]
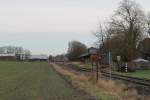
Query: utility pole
[(97, 71), (109, 57)]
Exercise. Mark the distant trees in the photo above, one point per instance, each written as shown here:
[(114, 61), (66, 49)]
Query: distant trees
[(20, 52), (51, 58), (27, 53), (144, 48), (13, 49), (125, 30), (75, 49)]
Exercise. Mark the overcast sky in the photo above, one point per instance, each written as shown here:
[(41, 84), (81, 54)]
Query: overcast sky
[(46, 26)]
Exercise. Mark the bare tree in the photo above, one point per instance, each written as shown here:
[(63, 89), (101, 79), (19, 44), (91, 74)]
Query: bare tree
[(128, 23), (103, 34), (148, 23), (100, 34)]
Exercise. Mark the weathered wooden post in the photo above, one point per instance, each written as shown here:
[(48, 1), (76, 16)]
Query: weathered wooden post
[(97, 71), (95, 59), (109, 61), (118, 62)]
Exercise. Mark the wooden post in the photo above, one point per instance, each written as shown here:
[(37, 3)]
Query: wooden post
[(92, 67), (109, 58), (126, 68), (95, 60), (97, 72)]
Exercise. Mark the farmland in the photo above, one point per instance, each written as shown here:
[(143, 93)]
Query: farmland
[(33, 81)]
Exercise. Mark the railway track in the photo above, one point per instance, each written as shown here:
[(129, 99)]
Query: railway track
[(129, 79), (141, 85), (138, 81)]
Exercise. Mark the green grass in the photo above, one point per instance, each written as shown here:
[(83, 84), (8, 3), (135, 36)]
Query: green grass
[(98, 93), (83, 65), (145, 74), (140, 73), (88, 65), (32, 81)]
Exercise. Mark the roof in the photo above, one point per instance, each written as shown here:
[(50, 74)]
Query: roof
[(140, 60), (84, 55), (7, 55), (90, 51), (38, 57)]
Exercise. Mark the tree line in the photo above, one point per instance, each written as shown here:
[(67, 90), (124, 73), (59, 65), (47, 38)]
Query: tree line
[(122, 35), (125, 29), (18, 51)]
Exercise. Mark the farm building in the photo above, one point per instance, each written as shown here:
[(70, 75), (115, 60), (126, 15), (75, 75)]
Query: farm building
[(13, 56), (60, 58), (86, 57), (7, 57), (38, 58), (13, 53), (140, 63)]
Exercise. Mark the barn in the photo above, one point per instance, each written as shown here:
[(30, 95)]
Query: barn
[(7, 56), (38, 58), (86, 56)]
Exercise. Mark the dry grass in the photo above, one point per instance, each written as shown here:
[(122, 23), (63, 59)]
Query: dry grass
[(120, 91), (117, 91)]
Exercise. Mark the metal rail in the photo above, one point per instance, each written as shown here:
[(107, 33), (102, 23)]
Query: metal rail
[(135, 80), (139, 81)]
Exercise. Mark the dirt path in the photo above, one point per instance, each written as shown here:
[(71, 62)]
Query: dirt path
[(76, 94)]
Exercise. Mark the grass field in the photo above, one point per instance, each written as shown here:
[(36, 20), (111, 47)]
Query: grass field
[(140, 73), (33, 81), (82, 65)]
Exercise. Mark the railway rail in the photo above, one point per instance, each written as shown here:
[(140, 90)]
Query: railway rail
[(134, 80), (141, 85)]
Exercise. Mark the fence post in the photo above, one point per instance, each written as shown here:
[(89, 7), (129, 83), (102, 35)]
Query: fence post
[(109, 61), (126, 68)]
